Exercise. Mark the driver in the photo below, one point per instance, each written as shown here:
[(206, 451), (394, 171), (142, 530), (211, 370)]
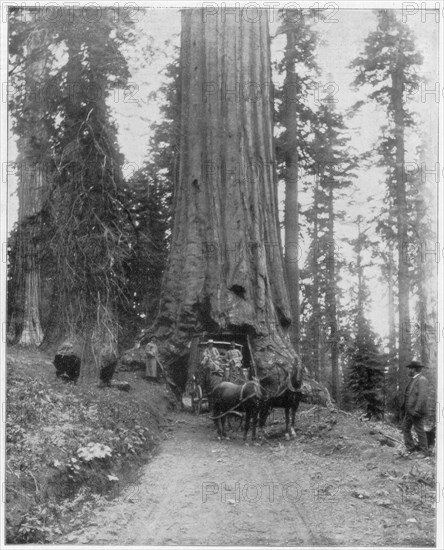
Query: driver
[(211, 358)]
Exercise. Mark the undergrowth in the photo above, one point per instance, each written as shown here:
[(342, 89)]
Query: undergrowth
[(69, 447)]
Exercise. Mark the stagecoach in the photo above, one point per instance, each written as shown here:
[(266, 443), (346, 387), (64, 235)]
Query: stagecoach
[(199, 385)]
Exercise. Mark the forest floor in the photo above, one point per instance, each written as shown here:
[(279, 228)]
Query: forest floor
[(334, 484)]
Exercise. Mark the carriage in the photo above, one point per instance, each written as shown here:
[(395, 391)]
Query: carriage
[(200, 384)]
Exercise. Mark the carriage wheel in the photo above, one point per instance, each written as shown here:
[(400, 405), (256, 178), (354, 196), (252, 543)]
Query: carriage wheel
[(197, 400)]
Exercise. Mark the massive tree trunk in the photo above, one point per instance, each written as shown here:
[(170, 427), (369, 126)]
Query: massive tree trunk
[(85, 216), (31, 171), (291, 192), (402, 232), (225, 269), (31, 334)]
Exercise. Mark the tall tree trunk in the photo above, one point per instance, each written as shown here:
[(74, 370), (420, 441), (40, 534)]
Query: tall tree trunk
[(225, 269), (31, 163), (86, 313), (291, 193), (32, 334), (393, 378), (426, 269), (331, 299), (316, 315), (402, 234), (424, 345), (360, 272), (391, 304)]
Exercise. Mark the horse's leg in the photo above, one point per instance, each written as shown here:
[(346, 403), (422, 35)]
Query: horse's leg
[(216, 413), (217, 425), (255, 416), (247, 423), (294, 408), (228, 417), (293, 416), (224, 433), (287, 423), (263, 414)]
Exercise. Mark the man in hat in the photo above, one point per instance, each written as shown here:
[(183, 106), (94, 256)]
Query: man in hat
[(415, 409), (211, 357), (234, 357)]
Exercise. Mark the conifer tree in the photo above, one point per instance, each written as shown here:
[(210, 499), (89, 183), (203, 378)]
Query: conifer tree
[(334, 166), (90, 242), (33, 112), (365, 374), (296, 118), (388, 65)]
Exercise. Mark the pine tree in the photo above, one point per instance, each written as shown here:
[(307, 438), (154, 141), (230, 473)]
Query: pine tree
[(296, 117), (365, 375), (313, 277), (388, 65), (334, 167)]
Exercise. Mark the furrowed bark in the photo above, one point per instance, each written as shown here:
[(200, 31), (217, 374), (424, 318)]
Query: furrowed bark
[(225, 270)]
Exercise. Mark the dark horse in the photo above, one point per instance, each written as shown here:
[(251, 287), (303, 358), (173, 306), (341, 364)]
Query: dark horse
[(281, 390), (228, 398)]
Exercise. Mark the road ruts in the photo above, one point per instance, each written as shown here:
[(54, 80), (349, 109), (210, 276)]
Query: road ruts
[(198, 490)]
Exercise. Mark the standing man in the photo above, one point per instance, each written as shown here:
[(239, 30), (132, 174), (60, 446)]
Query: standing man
[(151, 359), (415, 409)]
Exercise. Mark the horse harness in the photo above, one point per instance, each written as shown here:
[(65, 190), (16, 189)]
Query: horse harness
[(242, 400), (287, 386)]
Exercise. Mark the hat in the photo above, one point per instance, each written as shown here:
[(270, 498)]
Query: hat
[(415, 365), (210, 342)]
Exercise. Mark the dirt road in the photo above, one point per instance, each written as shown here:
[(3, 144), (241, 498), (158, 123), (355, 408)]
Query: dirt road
[(318, 489)]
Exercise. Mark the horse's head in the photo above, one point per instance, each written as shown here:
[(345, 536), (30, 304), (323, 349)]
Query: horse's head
[(296, 374), (269, 385)]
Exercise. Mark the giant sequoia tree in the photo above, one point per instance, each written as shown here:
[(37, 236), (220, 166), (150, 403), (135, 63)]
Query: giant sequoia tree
[(32, 120), (90, 240), (68, 148), (225, 269)]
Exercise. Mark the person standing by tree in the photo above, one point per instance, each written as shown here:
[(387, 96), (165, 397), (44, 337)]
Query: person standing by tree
[(415, 409), (151, 359)]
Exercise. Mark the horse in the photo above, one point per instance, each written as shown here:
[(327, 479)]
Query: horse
[(228, 398), (281, 391)]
